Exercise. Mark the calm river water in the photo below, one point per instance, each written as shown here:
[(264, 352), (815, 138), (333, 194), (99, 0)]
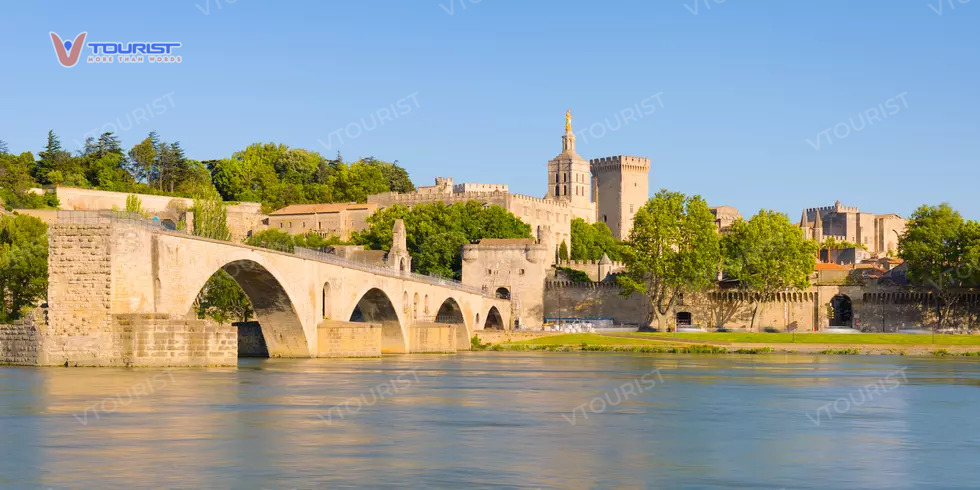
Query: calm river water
[(499, 419)]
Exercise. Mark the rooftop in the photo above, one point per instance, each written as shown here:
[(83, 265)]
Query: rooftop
[(507, 241), (324, 208)]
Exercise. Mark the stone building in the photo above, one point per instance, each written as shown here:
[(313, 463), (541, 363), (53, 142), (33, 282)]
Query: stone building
[(339, 219), (510, 268), (878, 233), (622, 186), (725, 216)]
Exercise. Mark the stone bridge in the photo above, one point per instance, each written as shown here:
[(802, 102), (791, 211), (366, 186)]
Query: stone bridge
[(123, 292)]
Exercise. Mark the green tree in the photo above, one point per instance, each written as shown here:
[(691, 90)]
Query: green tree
[(354, 183), (831, 243), (210, 217), (3, 147), (143, 158), (942, 251), (134, 204), (23, 265), (437, 232), (592, 241), (563, 251), (768, 254), (672, 249), (273, 239), (396, 176), (223, 300)]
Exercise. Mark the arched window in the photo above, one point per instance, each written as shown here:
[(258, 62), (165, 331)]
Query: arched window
[(326, 300)]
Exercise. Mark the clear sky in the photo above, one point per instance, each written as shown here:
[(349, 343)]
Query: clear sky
[(742, 92)]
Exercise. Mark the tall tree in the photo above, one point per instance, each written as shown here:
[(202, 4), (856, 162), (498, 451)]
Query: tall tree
[(143, 156), (768, 254), (3, 147), (672, 249), (943, 254), (53, 159), (210, 217)]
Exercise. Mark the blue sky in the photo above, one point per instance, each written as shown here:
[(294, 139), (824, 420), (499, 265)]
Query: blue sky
[(745, 90)]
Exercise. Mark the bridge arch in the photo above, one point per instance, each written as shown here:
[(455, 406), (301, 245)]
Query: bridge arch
[(494, 320), (453, 312), (274, 310), (374, 306)]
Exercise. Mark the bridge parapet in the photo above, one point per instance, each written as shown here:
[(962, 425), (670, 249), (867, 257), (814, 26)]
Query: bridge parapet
[(307, 253)]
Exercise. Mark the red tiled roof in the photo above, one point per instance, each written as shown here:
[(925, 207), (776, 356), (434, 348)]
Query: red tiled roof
[(831, 267)]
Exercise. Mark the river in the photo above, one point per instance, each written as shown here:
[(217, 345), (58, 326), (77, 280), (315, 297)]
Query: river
[(499, 419)]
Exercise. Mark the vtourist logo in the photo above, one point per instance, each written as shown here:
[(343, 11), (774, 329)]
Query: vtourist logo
[(622, 394), (136, 392), (865, 119), (352, 406), (858, 398), (355, 129), (69, 52)]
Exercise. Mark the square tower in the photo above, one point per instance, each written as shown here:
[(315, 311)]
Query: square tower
[(622, 186)]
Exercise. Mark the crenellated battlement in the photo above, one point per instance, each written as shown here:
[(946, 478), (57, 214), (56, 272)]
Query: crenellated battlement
[(572, 263), (551, 202), (559, 284), (833, 209), (620, 163)]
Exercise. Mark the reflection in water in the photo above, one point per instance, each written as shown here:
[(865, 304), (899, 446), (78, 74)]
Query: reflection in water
[(493, 419)]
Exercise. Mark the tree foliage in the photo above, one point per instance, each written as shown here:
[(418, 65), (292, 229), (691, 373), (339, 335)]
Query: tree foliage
[(436, 232), (134, 204), (672, 249), (942, 251), (831, 243), (768, 254), (223, 300), (563, 251), (210, 217), (23, 265), (16, 181), (275, 239), (592, 241), (272, 174)]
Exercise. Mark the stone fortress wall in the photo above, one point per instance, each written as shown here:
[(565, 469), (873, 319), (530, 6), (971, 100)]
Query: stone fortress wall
[(873, 308), (596, 270)]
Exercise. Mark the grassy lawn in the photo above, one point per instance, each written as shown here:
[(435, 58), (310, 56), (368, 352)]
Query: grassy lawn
[(816, 338), (586, 338)]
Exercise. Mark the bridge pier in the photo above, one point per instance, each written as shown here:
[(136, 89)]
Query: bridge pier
[(425, 337), (348, 339)]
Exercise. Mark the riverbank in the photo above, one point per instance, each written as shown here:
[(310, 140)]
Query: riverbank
[(734, 343)]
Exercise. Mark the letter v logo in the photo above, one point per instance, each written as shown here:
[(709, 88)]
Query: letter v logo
[(68, 51)]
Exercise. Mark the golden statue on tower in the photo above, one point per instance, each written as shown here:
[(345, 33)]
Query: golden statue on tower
[(568, 121)]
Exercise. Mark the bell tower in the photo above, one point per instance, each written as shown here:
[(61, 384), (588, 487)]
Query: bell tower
[(569, 177)]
